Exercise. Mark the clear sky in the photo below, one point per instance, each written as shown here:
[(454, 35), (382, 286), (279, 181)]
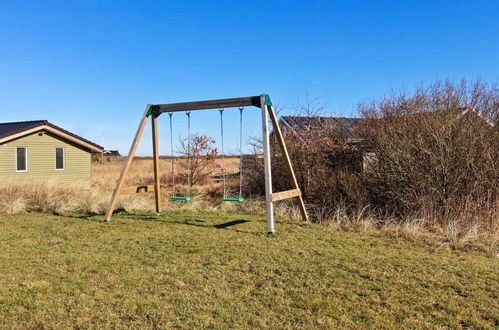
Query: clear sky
[(92, 66)]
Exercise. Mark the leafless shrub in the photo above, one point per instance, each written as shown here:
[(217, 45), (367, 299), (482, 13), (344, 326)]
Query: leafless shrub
[(437, 152), (202, 155), (433, 162), (310, 106)]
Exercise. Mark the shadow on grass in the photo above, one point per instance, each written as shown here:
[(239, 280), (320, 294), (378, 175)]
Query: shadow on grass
[(226, 225), (230, 223), (95, 216), (203, 223), (181, 220)]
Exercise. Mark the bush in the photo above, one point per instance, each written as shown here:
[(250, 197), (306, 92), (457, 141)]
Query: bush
[(437, 151), (433, 154)]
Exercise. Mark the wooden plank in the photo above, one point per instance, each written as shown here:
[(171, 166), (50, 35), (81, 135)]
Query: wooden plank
[(269, 207), (127, 164), (285, 194), (157, 186), (136, 190), (282, 144), (211, 104)]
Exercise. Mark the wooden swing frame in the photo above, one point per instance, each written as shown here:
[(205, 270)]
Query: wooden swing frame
[(263, 102)]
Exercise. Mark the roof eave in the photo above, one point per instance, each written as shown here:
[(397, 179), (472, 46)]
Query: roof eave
[(91, 147)]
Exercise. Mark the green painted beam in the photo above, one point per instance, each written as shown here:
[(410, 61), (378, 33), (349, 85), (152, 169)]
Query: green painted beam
[(153, 110), (267, 100)]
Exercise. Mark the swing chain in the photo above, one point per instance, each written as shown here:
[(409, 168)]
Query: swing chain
[(189, 176), (241, 109), (224, 176), (224, 179), (174, 187)]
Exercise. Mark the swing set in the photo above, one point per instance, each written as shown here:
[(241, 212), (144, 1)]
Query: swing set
[(154, 111)]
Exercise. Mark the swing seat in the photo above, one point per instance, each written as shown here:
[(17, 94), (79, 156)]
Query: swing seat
[(180, 198), (240, 200)]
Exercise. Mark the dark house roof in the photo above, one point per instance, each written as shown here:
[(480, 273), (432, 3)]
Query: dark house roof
[(112, 153), (14, 128), (347, 127)]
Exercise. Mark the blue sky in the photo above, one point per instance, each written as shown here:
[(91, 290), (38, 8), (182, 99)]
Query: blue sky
[(92, 66)]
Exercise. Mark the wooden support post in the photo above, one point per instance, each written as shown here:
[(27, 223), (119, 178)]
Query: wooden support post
[(157, 188), (282, 144), (127, 164), (267, 165)]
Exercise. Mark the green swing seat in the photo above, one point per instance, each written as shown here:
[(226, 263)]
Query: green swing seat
[(180, 198), (239, 200)]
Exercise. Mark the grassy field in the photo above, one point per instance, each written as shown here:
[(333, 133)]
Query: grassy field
[(198, 270)]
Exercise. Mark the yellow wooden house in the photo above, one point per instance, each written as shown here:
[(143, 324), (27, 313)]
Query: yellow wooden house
[(38, 151)]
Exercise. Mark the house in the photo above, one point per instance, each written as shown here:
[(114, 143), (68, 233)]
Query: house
[(357, 157), (345, 128), (360, 155), (106, 156), (111, 153), (38, 151)]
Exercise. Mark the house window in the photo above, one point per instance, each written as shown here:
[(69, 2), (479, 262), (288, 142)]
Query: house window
[(59, 159), (22, 159)]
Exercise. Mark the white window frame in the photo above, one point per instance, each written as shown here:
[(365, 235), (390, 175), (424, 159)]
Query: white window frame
[(63, 159), (25, 160)]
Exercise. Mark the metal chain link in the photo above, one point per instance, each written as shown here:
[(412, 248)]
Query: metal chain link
[(241, 152), (174, 187), (223, 154), (189, 176)]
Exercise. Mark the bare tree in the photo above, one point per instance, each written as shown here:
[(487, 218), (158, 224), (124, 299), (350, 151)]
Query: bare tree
[(310, 107), (201, 154)]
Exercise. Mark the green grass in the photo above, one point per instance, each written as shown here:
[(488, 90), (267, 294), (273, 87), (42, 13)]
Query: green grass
[(185, 270)]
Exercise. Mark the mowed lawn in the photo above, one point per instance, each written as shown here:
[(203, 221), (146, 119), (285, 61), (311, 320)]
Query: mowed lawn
[(220, 270)]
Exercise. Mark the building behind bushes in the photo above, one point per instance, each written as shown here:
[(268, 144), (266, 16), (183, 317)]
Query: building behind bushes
[(432, 153)]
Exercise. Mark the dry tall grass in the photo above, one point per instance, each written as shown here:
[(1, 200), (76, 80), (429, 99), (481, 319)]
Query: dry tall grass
[(53, 197), (105, 174), (59, 199)]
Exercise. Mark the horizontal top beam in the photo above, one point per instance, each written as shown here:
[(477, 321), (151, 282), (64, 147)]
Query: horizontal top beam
[(211, 104)]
